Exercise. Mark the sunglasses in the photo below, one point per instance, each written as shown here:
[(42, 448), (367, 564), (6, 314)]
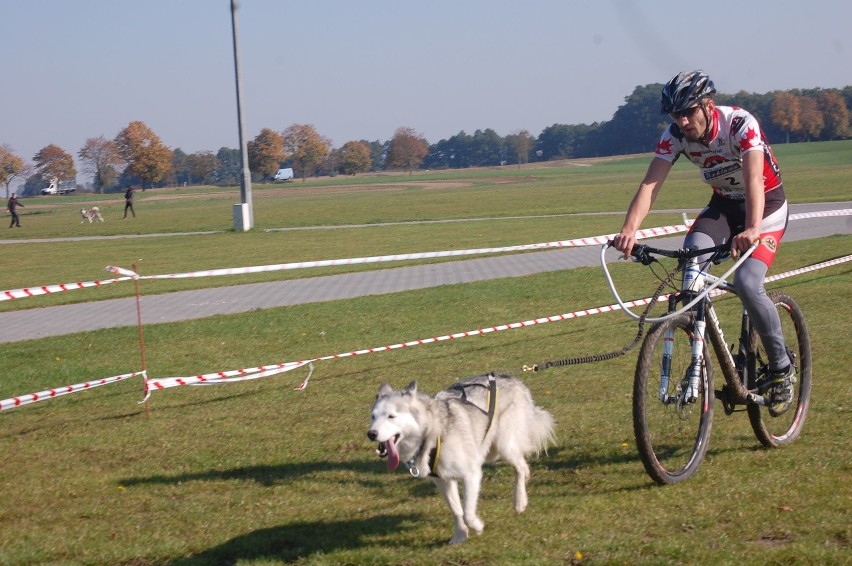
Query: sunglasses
[(688, 113)]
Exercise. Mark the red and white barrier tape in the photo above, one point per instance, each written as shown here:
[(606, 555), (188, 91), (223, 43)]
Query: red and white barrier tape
[(590, 241), (806, 269), (59, 391), (579, 242), (222, 377), (129, 274), (255, 373), (48, 289)]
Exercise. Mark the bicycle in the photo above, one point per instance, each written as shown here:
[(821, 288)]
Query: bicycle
[(673, 385)]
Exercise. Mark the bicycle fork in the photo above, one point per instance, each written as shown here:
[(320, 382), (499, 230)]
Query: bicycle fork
[(689, 389)]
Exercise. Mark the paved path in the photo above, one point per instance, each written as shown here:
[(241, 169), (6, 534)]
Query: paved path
[(188, 305)]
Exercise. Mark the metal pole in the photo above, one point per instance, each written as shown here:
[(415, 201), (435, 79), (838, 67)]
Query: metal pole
[(245, 175)]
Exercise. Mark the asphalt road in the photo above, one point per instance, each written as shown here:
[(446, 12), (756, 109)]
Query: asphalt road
[(187, 305)]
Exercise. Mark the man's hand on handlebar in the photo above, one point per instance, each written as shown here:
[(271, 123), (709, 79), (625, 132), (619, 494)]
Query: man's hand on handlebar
[(743, 241), (624, 243)]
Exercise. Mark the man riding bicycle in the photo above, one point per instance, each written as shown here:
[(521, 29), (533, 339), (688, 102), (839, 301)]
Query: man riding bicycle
[(748, 203)]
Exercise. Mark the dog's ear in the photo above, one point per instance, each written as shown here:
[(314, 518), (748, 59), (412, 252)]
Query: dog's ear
[(384, 390), (412, 388)]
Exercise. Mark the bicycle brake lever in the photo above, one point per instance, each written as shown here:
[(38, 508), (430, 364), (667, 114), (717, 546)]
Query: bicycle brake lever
[(720, 256), (640, 253)]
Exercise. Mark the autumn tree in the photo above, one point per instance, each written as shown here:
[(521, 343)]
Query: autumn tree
[(266, 152), (835, 112), (146, 156), (407, 149), (53, 161), (202, 165), (521, 143), (305, 148), (811, 121), (354, 158), (11, 166), (100, 160), (785, 112)]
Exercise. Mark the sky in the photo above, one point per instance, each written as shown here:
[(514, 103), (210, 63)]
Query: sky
[(77, 69)]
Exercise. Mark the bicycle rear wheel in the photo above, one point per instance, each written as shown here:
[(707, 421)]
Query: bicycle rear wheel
[(783, 429), (672, 434)]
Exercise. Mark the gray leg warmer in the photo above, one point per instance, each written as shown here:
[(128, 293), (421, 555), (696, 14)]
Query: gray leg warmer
[(764, 316)]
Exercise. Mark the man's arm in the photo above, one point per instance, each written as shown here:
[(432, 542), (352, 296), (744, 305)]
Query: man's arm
[(641, 204)]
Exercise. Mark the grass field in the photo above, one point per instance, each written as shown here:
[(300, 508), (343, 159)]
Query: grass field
[(256, 473)]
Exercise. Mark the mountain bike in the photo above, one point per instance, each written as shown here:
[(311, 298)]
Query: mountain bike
[(673, 388)]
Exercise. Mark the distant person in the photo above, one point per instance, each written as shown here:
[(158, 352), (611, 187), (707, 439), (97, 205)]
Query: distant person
[(128, 202), (748, 205), (11, 206)]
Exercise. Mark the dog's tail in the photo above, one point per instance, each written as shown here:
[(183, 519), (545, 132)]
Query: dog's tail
[(541, 430)]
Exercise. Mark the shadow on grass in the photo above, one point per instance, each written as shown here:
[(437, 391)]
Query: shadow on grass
[(559, 458), (367, 473), (297, 541), (628, 467)]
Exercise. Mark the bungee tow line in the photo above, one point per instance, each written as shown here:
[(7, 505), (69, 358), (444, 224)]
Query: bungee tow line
[(614, 353), (643, 318)]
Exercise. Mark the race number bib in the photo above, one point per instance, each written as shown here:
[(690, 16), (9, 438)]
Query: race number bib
[(726, 178)]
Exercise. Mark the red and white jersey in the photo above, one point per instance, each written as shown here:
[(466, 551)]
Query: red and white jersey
[(735, 132)]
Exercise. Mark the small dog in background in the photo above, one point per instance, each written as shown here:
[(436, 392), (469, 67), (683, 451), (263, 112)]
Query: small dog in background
[(91, 215), (449, 436)]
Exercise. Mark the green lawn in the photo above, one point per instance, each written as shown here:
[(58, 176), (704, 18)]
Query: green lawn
[(256, 473)]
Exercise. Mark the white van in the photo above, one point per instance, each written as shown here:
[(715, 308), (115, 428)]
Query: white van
[(283, 174), (55, 189)]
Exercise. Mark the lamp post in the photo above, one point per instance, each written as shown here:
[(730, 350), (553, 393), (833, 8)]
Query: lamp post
[(244, 212)]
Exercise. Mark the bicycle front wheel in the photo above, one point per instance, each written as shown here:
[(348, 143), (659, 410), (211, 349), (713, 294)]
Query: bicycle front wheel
[(785, 428), (672, 432)]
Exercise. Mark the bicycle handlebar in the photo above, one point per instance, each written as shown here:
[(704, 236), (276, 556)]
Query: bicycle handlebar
[(644, 253)]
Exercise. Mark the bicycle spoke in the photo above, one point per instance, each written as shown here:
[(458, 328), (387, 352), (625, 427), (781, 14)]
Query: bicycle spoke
[(671, 431)]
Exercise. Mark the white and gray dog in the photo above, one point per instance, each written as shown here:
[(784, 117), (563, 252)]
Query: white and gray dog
[(91, 214), (448, 437)]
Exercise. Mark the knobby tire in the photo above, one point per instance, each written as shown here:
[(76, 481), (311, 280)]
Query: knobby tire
[(784, 429), (672, 439)]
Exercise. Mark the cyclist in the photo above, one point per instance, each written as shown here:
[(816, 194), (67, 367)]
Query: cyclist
[(748, 203)]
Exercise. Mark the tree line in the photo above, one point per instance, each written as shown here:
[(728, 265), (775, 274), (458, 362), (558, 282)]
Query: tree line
[(138, 157)]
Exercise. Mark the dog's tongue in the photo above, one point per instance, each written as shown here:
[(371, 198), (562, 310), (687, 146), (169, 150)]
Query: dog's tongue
[(393, 455)]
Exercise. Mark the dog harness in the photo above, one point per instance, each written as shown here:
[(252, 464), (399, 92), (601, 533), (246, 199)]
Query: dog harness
[(435, 453)]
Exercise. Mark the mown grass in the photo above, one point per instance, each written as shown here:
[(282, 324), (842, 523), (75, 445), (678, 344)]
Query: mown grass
[(256, 473)]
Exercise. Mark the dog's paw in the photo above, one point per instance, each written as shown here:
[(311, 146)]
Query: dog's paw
[(476, 525)]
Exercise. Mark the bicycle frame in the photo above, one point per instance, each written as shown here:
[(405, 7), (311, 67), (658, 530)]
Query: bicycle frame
[(697, 288), (735, 368)]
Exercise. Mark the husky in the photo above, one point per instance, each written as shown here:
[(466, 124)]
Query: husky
[(449, 436), (93, 213)]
